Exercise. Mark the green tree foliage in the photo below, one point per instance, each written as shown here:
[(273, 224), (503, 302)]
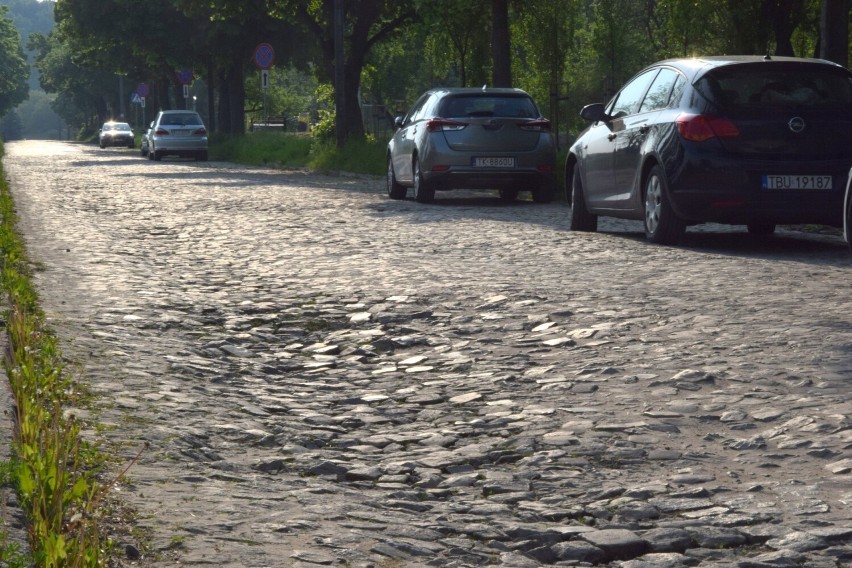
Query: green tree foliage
[(31, 16), (565, 52), (14, 71)]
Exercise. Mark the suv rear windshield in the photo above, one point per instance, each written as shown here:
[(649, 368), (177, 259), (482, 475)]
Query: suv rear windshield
[(488, 105), (778, 86), (181, 118)]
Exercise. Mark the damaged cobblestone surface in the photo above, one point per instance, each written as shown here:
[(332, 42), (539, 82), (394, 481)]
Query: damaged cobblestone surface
[(330, 378)]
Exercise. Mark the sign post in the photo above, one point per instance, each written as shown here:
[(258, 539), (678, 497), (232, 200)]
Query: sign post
[(185, 77), (264, 56), (142, 90)]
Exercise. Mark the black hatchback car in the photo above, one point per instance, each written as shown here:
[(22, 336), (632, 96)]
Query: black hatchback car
[(745, 140)]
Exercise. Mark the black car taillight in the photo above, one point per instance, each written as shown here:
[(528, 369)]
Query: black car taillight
[(540, 125), (200, 132), (161, 132), (701, 127), (434, 124)]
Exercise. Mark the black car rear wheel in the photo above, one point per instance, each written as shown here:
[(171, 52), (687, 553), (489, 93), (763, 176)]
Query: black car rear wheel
[(847, 221), (761, 228), (581, 219), (662, 225), (544, 193), (423, 192), (508, 195), (395, 189)]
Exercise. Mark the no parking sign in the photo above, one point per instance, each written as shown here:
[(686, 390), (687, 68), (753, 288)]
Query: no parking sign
[(264, 56)]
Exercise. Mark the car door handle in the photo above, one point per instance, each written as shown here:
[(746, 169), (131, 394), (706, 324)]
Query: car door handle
[(644, 129)]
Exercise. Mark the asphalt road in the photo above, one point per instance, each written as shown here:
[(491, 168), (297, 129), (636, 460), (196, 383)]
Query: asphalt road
[(329, 377)]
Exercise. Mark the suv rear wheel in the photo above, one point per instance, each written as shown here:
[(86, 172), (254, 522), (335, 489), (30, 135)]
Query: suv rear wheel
[(423, 192)]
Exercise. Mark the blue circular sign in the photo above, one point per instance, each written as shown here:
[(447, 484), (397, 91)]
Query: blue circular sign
[(142, 90), (185, 76), (264, 55)]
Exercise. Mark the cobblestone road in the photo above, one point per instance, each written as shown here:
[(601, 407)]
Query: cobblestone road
[(328, 377)]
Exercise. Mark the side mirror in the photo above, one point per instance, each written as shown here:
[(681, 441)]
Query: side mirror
[(595, 113), (397, 122)]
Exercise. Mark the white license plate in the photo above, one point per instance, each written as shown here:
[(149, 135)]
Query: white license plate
[(485, 162), (796, 182)]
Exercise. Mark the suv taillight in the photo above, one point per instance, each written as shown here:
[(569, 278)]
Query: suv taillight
[(434, 124), (539, 125), (701, 127)]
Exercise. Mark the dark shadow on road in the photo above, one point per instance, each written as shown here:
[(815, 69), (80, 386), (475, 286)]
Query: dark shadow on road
[(786, 244)]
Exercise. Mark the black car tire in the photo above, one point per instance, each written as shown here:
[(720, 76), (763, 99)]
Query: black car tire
[(581, 219), (158, 156), (544, 194), (847, 221), (662, 225), (201, 156), (131, 145), (761, 228), (395, 189), (423, 191), (508, 195), (143, 151)]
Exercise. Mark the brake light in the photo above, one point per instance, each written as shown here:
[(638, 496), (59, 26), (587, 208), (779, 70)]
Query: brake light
[(200, 132), (701, 127), (161, 132), (540, 125), (434, 124)]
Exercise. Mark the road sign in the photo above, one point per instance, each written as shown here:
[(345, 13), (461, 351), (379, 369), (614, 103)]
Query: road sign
[(264, 79), (135, 99), (185, 76), (264, 56), (142, 90)]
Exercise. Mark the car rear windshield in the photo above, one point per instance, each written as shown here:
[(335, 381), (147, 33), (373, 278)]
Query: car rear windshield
[(778, 86), (181, 119), (488, 105)]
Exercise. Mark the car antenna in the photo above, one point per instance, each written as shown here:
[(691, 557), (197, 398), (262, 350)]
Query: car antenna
[(483, 87), (767, 57)]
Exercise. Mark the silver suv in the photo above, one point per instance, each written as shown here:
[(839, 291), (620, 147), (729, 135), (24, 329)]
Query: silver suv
[(456, 138), (177, 133)]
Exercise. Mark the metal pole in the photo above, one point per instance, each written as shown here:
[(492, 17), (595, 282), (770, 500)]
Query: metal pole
[(121, 95)]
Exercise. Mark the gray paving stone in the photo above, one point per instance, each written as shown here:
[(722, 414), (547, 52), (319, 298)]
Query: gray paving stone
[(365, 381)]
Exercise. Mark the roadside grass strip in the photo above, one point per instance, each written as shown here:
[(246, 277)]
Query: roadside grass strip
[(53, 472)]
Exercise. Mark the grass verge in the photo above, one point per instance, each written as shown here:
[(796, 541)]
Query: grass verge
[(300, 150), (53, 472)]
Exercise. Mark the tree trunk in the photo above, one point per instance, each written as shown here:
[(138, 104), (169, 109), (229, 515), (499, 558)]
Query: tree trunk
[(231, 119), (780, 13), (834, 31), (500, 44)]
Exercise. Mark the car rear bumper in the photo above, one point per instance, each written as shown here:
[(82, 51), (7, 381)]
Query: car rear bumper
[(177, 145), (730, 191), (468, 178)]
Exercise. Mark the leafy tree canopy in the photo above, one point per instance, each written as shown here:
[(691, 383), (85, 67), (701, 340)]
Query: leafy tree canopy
[(14, 71)]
